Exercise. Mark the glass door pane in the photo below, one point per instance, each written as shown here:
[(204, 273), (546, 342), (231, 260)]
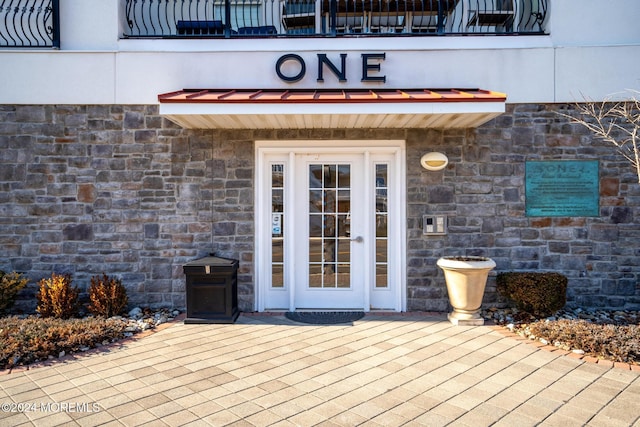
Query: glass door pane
[(277, 226), (382, 215)]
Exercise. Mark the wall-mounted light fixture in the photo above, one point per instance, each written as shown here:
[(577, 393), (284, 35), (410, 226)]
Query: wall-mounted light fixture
[(434, 161)]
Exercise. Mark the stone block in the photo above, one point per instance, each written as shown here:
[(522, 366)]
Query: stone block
[(609, 186), (492, 225), (75, 120), (144, 136), (46, 236), (475, 154), (621, 214), (153, 182), (541, 222), (12, 172), (137, 163), (86, 193), (218, 168), (563, 233), (477, 187), (133, 120), (31, 113), (239, 183), (129, 146), (440, 194), (603, 233), (180, 145), (471, 240), (97, 111), (153, 122), (511, 194), (569, 222), (44, 209), (604, 266), (559, 247), (501, 242), (189, 191), (76, 210), (101, 150), (476, 210), (8, 128), (525, 254), (573, 263), (496, 169), (195, 172)]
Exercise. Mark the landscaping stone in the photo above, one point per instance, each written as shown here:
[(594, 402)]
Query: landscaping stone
[(608, 336)]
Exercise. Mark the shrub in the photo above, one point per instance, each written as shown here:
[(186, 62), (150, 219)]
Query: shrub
[(10, 285), (108, 296), (24, 341), (56, 297), (540, 294)]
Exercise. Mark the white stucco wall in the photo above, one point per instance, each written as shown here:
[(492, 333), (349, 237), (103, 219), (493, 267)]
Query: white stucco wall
[(596, 73), (403, 68), (594, 22), (593, 51), (89, 25), (54, 77)]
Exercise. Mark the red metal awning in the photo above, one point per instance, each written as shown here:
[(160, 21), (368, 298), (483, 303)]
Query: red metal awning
[(331, 108)]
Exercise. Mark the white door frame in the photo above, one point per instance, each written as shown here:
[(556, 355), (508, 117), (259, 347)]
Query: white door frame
[(285, 151)]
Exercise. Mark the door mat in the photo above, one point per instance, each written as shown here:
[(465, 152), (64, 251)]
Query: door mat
[(324, 317)]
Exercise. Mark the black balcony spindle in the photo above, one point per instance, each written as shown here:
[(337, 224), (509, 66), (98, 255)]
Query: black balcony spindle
[(333, 13), (153, 17), (54, 29), (227, 18), (4, 41), (440, 28), (163, 20), (18, 30)]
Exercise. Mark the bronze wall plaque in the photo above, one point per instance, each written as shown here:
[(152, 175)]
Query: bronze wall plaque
[(566, 188)]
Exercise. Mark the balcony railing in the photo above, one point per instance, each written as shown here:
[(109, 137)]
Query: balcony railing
[(29, 23), (281, 18)]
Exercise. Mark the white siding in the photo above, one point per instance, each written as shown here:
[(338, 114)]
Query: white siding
[(593, 51)]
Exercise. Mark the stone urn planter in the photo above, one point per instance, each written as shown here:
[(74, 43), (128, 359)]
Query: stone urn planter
[(466, 278)]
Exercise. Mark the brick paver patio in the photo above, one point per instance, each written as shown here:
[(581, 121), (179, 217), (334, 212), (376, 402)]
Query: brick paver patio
[(384, 370)]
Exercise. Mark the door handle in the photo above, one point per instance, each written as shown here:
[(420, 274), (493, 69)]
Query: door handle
[(358, 239)]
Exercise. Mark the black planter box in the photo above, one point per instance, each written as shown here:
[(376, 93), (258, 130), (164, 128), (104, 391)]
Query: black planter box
[(212, 290)]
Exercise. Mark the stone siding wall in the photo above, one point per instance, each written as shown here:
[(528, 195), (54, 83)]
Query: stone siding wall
[(120, 190), (482, 194)]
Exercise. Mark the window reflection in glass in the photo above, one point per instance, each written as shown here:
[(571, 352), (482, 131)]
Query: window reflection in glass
[(277, 226), (382, 214), (329, 242)]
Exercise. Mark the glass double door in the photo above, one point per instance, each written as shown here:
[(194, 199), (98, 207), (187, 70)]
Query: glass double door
[(334, 234)]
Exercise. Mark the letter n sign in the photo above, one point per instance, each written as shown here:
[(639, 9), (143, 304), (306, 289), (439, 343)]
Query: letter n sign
[(341, 74)]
